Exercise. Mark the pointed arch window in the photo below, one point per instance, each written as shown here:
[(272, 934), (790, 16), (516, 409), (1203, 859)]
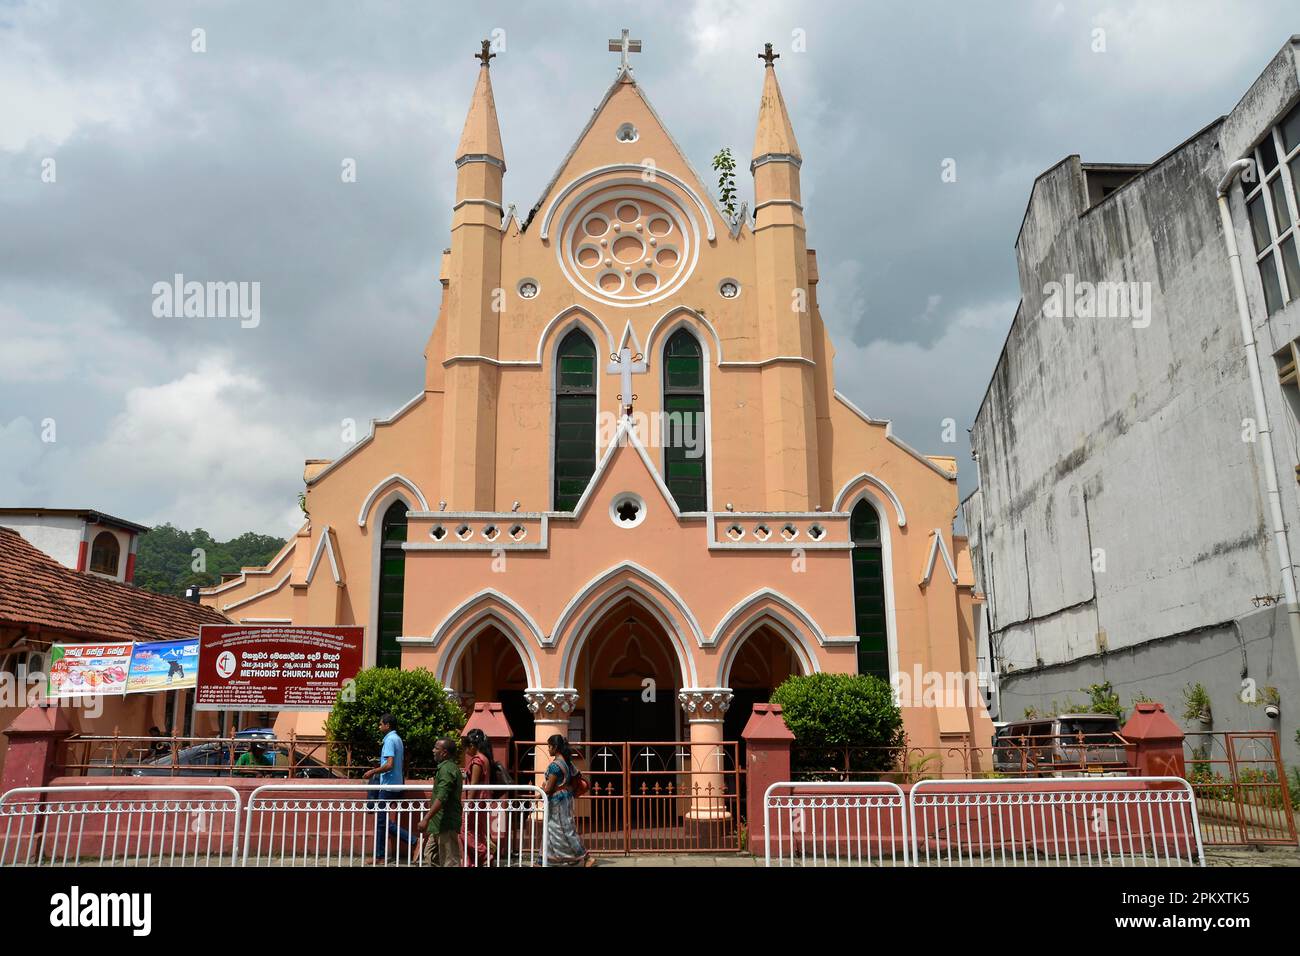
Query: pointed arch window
[(575, 419), (869, 591), (392, 581), (684, 439)]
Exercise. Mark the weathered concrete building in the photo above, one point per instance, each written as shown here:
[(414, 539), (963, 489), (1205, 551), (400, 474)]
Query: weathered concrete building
[(1125, 526)]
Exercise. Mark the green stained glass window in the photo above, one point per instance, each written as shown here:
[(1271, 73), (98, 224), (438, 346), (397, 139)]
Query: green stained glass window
[(869, 591), (575, 419), (685, 471), (392, 581)]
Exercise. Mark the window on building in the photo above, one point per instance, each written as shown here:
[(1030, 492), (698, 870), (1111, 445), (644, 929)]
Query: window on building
[(392, 581), (869, 591), (684, 439), (104, 553), (1271, 204), (575, 419)]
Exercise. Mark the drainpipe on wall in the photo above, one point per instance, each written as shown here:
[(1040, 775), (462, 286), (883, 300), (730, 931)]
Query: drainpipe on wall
[(1261, 410)]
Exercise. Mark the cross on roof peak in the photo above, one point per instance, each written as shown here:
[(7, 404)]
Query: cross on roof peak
[(484, 55), (767, 56), (625, 45)]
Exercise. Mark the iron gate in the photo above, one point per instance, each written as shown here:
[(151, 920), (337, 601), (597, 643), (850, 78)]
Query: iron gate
[(1241, 788), (670, 796)]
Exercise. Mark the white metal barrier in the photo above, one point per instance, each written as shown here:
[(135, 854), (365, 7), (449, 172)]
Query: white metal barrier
[(158, 825), (347, 825), (1110, 821), (835, 824)]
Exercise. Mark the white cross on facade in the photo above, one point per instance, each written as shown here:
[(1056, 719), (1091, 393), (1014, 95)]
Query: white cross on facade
[(625, 364), (625, 45)]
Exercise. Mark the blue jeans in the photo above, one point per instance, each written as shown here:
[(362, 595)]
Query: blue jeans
[(385, 828)]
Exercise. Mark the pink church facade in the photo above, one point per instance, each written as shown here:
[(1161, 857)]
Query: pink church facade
[(513, 529)]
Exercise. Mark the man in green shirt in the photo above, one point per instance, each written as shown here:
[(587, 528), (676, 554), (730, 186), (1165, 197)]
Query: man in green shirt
[(441, 825), (254, 756)]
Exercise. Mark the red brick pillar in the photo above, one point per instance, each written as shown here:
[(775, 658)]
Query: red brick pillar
[(487, 717), (34, 739), (767, 761), (1155, 742)]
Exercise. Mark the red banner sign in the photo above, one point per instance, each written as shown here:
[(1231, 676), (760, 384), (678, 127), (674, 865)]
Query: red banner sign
[(280, 667)]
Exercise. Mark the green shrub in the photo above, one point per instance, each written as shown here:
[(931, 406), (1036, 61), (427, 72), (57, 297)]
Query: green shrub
[(416, 698), (833, 715)]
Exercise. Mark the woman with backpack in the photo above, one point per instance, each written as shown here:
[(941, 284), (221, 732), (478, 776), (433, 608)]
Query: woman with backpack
[(562, 784), (478, 772)]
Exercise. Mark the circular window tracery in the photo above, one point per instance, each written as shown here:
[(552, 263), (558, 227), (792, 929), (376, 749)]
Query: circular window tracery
[(624, 244)]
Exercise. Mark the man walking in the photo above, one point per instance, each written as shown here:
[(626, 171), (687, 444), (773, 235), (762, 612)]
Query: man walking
[(389, 774), (441, 825)]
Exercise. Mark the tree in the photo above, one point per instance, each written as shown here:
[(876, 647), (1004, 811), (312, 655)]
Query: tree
[(725, 165), (845, 722), (416, 698), (165, 558)]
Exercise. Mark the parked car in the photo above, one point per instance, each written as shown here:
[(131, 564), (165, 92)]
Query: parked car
[(214, 759), (1064, 745)]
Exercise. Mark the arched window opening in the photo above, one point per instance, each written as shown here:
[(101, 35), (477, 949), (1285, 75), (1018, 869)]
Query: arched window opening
[(575, 419), (685, 471), (392, 580), (105, 553), (869, 591)]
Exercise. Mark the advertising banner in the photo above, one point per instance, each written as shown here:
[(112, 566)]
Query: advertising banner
[(84, 670), (163, 665), (276, 667)]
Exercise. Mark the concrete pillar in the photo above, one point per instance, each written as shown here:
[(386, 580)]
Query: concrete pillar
[(1155, 742), (551, 708), (34, 739), (705, 708), (767, 761)]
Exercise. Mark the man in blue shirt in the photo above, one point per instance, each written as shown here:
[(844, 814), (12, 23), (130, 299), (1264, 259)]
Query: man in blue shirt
[(389, 774)]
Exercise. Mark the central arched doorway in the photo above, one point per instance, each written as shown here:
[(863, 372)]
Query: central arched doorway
[(491, 668)]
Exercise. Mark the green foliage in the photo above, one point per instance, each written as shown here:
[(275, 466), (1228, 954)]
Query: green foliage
[(1196, 703), (1293, 786), (725, 165), (416, 698), (1102, 699), (831, 715), (164, 562)]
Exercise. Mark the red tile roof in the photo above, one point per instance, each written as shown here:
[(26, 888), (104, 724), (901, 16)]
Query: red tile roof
[(36, 589)]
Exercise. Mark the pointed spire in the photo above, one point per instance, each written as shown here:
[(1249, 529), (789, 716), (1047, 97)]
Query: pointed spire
[(775, 135), (482, 135)]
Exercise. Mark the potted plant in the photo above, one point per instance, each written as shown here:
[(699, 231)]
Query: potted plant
[(1196, 704)]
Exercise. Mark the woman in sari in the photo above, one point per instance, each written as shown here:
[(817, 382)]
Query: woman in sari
[(474, 835), (563, 848)]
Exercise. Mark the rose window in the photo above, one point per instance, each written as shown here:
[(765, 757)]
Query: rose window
[(627, 245)]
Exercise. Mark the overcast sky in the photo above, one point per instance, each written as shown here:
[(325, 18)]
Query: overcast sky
[(225, 165)]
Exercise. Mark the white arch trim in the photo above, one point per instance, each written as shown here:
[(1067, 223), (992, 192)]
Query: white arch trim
[(571, 314), (659, 174), (790, 606), (675, 310), (804, 654), (562, 623), (325, 546), (487, 618), (586, 623), (937, 547), (842, 504), (449, 623), (405, 482)]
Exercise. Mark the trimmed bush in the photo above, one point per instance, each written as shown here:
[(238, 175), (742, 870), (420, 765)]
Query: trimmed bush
[(416, 698), (833, 715)]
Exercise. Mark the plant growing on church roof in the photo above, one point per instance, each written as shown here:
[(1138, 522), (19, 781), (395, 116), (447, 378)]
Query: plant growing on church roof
[(725, 166), (842, 724), (416, 698)]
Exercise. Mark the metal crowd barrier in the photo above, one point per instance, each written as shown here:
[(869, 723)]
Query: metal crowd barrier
[(1110, 821), (1033, 821), (835, 824), (113, 826), (303, 824)]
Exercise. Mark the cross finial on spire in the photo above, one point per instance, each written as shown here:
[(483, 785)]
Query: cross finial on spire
[(767, 56), (625, 45), (485, 55)]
